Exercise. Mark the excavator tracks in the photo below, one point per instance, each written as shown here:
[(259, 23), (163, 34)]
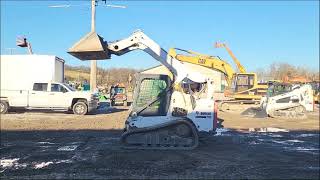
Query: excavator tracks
[(297, 112), (173, 135)]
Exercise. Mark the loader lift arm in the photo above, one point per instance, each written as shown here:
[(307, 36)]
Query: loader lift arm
[(139, 40)]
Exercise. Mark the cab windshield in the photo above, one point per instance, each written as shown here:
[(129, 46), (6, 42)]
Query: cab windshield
[(119, 90), (69, 87), (277, 89)]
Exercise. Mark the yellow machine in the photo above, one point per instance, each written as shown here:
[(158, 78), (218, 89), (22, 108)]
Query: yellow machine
[(243, 86), (239, 65)]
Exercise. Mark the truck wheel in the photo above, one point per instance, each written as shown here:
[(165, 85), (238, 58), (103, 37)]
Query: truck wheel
[(80, 108), (4, 106)]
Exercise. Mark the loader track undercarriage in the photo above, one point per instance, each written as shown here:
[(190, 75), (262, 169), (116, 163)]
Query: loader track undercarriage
[(173, 135), (297, 112)]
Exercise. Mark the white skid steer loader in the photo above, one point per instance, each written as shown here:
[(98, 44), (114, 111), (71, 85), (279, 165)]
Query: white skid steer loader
[(288, 100), (166, 113)]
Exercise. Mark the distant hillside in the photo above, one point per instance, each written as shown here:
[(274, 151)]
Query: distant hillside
[(105, 77), (77, 73)]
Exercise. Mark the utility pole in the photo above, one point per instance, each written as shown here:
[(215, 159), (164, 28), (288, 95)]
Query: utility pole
[(93, 69)]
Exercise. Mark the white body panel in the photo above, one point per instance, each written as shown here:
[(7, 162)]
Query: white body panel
[(20, 72), (37, 99), (46, 99), (19, 98)]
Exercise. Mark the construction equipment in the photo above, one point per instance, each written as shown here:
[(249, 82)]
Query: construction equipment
[(118, 95), (316, 91), (166, 113), (288, 101), (304, 80), (239, 65), (22, 42), (242, 87)]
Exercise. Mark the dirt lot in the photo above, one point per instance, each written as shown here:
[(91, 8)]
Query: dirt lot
[(59, 145)]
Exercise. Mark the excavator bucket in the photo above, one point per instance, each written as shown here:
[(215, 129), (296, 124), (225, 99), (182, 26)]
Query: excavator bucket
[(90, 47)]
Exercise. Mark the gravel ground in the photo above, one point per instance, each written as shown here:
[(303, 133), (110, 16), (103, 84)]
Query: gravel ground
[(42, 145)]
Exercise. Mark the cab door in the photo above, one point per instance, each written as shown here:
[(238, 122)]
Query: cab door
[(38, 97), (58, 96)]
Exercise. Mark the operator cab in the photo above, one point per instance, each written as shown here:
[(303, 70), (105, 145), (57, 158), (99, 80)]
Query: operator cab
[(151, 95), (279, 88), (243, 82)]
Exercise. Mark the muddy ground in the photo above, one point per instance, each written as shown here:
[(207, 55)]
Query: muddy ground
[(38, 145)]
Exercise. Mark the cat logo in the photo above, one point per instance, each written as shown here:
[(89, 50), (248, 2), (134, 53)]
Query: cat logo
[(201, 61)]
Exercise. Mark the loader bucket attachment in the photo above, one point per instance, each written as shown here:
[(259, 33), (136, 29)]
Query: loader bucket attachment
[(90, 47)]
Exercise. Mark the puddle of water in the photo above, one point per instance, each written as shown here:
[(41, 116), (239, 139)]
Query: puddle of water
[(42, 165), (113, 138), (268, 129), (306, 135), (64, 161), (75, 143), (280, 142), (23, 165), (309, 150), (314, 168), (5, 163), (68, 148), (45, 164), (275, 135), (295, 141), (220, 131), (11, 163), (253, 143), (306, 149), (45, 143)]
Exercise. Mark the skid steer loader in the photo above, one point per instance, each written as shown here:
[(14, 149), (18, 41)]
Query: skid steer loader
[(166, 113), (288, 100)]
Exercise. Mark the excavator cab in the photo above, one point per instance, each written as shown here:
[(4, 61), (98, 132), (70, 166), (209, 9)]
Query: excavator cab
[(244, 82), (245, 87)]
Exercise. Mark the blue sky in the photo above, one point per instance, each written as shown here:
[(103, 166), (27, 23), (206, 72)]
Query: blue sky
[(258, 32)]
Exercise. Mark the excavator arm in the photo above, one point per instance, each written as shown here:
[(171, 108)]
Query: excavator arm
[(239, 65), (211, 62)]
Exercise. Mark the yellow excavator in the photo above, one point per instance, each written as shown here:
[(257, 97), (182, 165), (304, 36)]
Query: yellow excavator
[(243, 87)]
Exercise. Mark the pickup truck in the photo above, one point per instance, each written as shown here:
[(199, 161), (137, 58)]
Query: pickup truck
[(49, 95)]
